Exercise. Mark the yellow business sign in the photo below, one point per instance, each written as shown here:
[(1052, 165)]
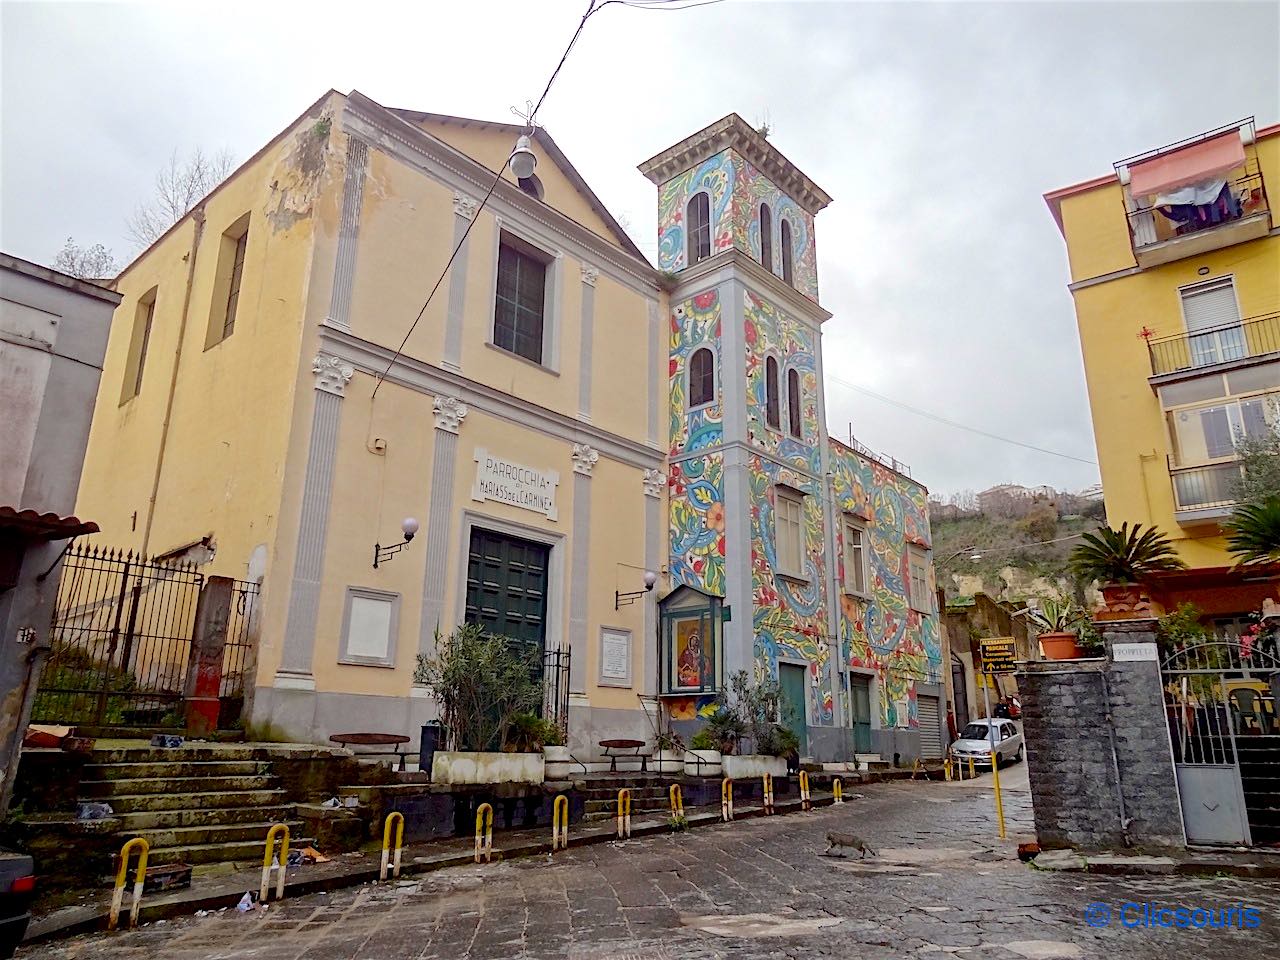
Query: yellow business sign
[(999, 655)]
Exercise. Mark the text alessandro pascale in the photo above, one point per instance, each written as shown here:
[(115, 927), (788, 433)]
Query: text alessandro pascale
[(1155, 915)]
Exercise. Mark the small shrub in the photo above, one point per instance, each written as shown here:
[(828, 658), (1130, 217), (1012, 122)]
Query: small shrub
[(702, 740)]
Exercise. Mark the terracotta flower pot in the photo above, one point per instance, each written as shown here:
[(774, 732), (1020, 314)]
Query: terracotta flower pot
[(1060, 646), (1124, 601)]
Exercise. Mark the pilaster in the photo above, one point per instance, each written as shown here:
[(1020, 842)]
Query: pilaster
[(348, 232), (589, 277), (584, 461), (448, 413), (464, 211)]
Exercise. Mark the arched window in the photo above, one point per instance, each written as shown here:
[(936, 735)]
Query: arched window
[(531, 185), (702, 377), (766, 237), (772, 414), (698, 224), (787, 266), (793, 402)]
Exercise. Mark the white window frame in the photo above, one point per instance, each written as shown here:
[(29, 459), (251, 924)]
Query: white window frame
[(919, 604), (783, 494), (552, 295), (393, 629), (852, 525)]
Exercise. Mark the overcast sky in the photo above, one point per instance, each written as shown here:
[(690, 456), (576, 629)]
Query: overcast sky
[(936, 128)]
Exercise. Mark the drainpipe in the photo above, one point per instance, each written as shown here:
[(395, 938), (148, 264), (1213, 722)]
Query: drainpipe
[(197, 216)]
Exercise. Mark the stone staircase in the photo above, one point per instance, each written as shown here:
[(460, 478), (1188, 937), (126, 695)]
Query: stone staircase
[(648, 794), (202, 806)]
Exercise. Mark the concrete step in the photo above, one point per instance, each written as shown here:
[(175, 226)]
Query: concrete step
[(215, 834), (142, 803), (608, 793), (169, 819), (95, 789), (611, 806), (175, 768), (145, 754), (249, 851)]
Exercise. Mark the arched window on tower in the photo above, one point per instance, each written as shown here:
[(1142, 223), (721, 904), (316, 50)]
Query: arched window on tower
[(702, 377), (766, 237), (772, 411), (793, 402), (698, 225), (787, 266)]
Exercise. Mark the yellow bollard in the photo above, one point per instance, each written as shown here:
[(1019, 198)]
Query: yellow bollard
[(560, 822), (398, 819), (677, 800), (768, 793), (117, 896), (726, 799), (915, 768), (946, 768), (972, 772), (837, 790), (806, 803), (624, 814), (277, 830), (995, 782), (484, 832)]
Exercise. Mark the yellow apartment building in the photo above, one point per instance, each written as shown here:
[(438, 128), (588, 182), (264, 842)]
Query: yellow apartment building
[(1175, 272)]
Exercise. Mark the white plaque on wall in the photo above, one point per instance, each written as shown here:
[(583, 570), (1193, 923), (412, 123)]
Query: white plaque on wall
[(615, 657), (514, 484), (1122, 652)]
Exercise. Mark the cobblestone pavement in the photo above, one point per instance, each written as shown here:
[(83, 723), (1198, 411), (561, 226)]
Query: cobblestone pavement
[(941, 886)]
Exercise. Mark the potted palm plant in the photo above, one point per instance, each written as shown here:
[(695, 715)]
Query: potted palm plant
[(1058, 621), (1121, 560), (1253, 532)]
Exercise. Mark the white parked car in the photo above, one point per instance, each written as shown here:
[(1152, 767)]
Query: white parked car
[(975, 742)]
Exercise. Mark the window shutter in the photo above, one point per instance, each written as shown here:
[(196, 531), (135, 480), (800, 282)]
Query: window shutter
[(1210, 305)]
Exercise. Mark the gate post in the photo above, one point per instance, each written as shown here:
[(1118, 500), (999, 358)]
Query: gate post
[(204, 667)]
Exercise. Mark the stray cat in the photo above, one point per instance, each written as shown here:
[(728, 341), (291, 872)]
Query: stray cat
[(839, 841)]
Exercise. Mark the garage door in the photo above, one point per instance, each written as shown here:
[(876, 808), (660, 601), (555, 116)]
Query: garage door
[(930, 727)]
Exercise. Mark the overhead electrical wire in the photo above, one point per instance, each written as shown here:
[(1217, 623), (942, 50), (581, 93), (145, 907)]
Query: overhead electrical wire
[(955, 423)]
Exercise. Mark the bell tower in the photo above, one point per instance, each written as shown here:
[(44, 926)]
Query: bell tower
[(748, 453)]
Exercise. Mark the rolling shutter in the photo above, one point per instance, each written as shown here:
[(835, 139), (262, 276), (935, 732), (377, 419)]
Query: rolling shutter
[(930, 727), (1210, 305)]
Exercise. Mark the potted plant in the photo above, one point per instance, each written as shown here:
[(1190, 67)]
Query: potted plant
[(1057, 620), (702, 759), (486, 691), (1120, 560), (669, 750), (555, 753), (754, 709)]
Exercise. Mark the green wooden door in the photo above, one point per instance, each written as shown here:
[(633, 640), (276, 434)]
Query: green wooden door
[(791, 677), (507, 588), (859, 689)]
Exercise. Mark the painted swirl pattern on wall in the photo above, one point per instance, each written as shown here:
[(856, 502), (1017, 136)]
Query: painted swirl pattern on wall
[(695, 323), (715, 176), (697, 523), (770, 332)]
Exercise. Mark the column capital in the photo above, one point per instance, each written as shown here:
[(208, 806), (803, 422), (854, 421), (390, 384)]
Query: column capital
[(465, 206), (590, 275), (584, 458), (449, 413), (654, 481), (332, 374)]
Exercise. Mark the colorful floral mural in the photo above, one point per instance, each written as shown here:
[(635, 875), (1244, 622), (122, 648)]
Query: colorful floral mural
[(736, 189), (790, 613), (880, 631), (695, 323), (770, 332), (697, 523)]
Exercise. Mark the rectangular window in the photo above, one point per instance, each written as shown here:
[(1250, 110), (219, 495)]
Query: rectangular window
[(370, 623), (1213, 316), (520, 303), (227, 282), (138, 343), (918, 567), (789, 531), (855, 558)]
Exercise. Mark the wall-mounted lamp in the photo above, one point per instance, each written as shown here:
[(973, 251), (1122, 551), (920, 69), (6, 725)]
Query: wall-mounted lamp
[(622, 599), (409, 527)]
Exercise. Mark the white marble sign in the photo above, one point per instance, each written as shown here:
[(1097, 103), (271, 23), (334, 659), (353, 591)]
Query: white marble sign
[(515, 484), (615, 656), (1128, 652)]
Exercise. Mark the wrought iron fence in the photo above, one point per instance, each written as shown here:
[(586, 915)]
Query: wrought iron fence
[(1203, 488), (238, 654), (555, 678), (1215, 693), (1252, 337), (1243, 197)]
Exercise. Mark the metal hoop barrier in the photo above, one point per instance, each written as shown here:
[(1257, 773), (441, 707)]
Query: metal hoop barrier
[(484, 832), (398, 819), (117, 896), (806, 802), (768, 793), (624, 813), (560, 823), (677, 800), (277, 830), (726, 799), (837, 790)]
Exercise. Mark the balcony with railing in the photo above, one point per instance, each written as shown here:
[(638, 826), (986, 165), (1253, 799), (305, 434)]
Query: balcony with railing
[(1205, 493), (1197, 195), (1244, 340)]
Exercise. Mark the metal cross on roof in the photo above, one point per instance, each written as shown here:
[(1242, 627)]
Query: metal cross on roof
[(526, 115)]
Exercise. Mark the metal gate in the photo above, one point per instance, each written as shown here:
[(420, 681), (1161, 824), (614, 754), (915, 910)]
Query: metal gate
[(930, 727), (121, 642), (1220, 699)]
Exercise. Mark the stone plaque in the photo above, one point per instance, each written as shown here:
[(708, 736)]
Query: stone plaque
[(1128, 652), (514, 484), (615, 657)]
